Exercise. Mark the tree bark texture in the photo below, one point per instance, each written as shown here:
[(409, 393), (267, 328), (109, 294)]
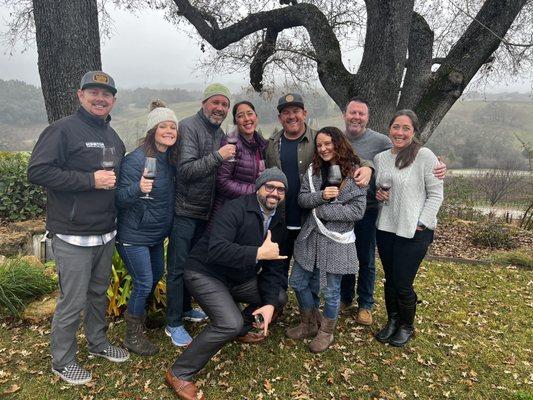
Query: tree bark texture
[(68, 45), (395, 70)]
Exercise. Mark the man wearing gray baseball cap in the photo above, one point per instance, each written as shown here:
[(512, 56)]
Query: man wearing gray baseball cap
[(68, 160)]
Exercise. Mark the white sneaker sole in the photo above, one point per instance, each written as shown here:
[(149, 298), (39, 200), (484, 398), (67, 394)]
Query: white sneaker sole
[(191, 319), (71, 381), (176, 343)]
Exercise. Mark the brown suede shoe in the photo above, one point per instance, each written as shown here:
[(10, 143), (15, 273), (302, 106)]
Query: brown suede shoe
[(184, 390), (364, 316), (252, 338)]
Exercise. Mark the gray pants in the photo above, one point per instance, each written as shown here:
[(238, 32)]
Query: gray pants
[(83, 281), (226, 322)]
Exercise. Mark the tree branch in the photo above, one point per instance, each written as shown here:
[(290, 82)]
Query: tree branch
[(266, 49)]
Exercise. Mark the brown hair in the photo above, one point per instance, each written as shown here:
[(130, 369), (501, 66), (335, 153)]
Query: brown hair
[(147, 143), (345, 156), (407, 155)]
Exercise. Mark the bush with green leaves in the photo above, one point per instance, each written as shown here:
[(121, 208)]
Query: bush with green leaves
[(21, 282), (494, 234), (19, 199)]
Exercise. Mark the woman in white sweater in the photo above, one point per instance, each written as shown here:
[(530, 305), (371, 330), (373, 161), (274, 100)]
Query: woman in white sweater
[(410, 197)]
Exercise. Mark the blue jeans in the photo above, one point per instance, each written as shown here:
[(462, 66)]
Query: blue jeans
[(145, 266), (365, 233), (306, 286), (185, 233)]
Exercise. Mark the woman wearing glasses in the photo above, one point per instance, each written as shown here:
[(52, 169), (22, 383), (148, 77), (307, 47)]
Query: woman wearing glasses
[(325, 248)]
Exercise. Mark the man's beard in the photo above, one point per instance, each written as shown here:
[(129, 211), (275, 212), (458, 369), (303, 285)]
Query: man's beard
[(263, 201)]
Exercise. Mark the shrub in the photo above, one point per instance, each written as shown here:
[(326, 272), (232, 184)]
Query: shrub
[(19, 199), (494, 235), (21, 282), (119, 290)]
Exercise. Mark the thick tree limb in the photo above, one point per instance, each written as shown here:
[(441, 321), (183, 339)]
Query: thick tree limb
[(418, 66), (266, 49), (334, 76), (464, 60)]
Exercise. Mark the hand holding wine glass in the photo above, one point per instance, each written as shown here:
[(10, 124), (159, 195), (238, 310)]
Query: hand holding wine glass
[(385, 184), (148, 177), (232, 138), (335, 179), (106, 180)]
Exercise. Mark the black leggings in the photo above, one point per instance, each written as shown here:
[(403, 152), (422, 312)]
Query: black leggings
[(401, 258)]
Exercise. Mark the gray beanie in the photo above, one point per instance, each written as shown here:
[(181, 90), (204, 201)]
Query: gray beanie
[(159, 113), (271, 174)]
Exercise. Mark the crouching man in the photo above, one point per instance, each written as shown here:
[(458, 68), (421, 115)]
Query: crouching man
[(222, 271)]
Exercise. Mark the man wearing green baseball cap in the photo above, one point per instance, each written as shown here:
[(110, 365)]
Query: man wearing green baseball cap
[(199, 156)]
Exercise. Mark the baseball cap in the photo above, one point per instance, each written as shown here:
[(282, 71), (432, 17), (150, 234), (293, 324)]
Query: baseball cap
[(290, 99), (100, 79)]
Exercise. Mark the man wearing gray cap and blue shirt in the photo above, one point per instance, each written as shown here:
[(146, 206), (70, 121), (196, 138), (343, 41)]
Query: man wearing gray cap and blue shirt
[(199, 156), (80, 217), (222, 271)]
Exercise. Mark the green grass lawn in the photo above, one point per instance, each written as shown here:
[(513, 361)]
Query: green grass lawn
[(474, 341)]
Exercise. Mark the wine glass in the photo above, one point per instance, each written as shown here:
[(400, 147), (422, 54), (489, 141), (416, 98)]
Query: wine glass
[(149, 173), (108, 160), (335, 178), (385, 183), (232, 138)]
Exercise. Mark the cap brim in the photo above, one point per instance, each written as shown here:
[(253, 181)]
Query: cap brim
[(293, 103)]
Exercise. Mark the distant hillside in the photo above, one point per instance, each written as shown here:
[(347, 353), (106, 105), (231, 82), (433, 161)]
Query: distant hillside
[(474, 134)]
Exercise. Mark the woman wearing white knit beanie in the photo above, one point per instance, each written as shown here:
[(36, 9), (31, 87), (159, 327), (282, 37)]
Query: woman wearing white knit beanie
[(145, 210)]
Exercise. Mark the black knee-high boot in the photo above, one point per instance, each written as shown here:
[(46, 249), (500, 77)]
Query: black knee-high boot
[(391, 304), (407, 311)]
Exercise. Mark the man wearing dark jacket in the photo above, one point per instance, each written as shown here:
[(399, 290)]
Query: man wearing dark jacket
[(222, 270), (199, 156), (80, 215)]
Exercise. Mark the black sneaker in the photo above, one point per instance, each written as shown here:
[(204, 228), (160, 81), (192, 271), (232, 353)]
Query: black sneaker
[(73, 374), (113, 353)]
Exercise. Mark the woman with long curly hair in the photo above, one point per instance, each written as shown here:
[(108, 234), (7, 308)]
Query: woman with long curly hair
[(325, 248)]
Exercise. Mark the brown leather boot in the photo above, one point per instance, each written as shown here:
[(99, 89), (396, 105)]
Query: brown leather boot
[(324, 337), (307, 328), (185, 390), (135, 340)]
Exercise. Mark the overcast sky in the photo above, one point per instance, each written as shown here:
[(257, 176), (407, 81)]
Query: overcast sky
[(149, 51)]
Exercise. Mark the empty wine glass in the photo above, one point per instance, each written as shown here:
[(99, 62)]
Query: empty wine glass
[(108, 161), (232, 138), (149, 173), (335, 178), (385, 183)]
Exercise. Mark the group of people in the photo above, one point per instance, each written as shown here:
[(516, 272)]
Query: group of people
[(237, 209)]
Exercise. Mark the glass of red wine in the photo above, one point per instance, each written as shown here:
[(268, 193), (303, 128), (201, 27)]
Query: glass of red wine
[(108, 160), (335, 178), (385, 183), (149, 173), (232, 138)]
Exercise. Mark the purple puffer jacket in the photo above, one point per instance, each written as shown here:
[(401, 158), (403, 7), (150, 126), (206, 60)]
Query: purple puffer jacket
[(235, 179)]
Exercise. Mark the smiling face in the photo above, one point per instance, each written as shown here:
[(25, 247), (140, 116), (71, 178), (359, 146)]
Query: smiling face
[(356, 118), (216, 108), (325, 147), (401, 132), (271, 194), (97, 101), (166, 134), (292, 119), (246, 120)]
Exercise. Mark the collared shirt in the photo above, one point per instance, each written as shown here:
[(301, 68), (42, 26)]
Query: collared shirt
[(88, 241), (267, 217)]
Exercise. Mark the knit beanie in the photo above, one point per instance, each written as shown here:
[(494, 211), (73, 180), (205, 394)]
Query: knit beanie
[(159, 113), (271, 174), (216, 89)]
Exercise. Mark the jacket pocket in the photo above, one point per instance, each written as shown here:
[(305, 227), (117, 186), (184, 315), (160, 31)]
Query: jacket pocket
[(73, 209)]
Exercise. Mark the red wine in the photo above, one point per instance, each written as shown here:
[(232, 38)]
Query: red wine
[(232, 139), (385, 187), (149, 177), (108, 165)]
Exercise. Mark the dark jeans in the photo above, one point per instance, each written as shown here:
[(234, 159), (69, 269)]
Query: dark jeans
[(401, 258), (145, 265), (288, 250), (365, 233), (185, 233), (220, 303)]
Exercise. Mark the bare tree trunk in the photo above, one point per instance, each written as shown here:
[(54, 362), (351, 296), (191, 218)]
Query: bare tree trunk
[(68, 45)]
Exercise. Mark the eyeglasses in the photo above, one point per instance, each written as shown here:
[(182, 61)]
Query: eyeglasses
[(270, 188)]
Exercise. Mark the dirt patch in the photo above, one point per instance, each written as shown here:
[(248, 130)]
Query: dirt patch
[(454, 239)]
